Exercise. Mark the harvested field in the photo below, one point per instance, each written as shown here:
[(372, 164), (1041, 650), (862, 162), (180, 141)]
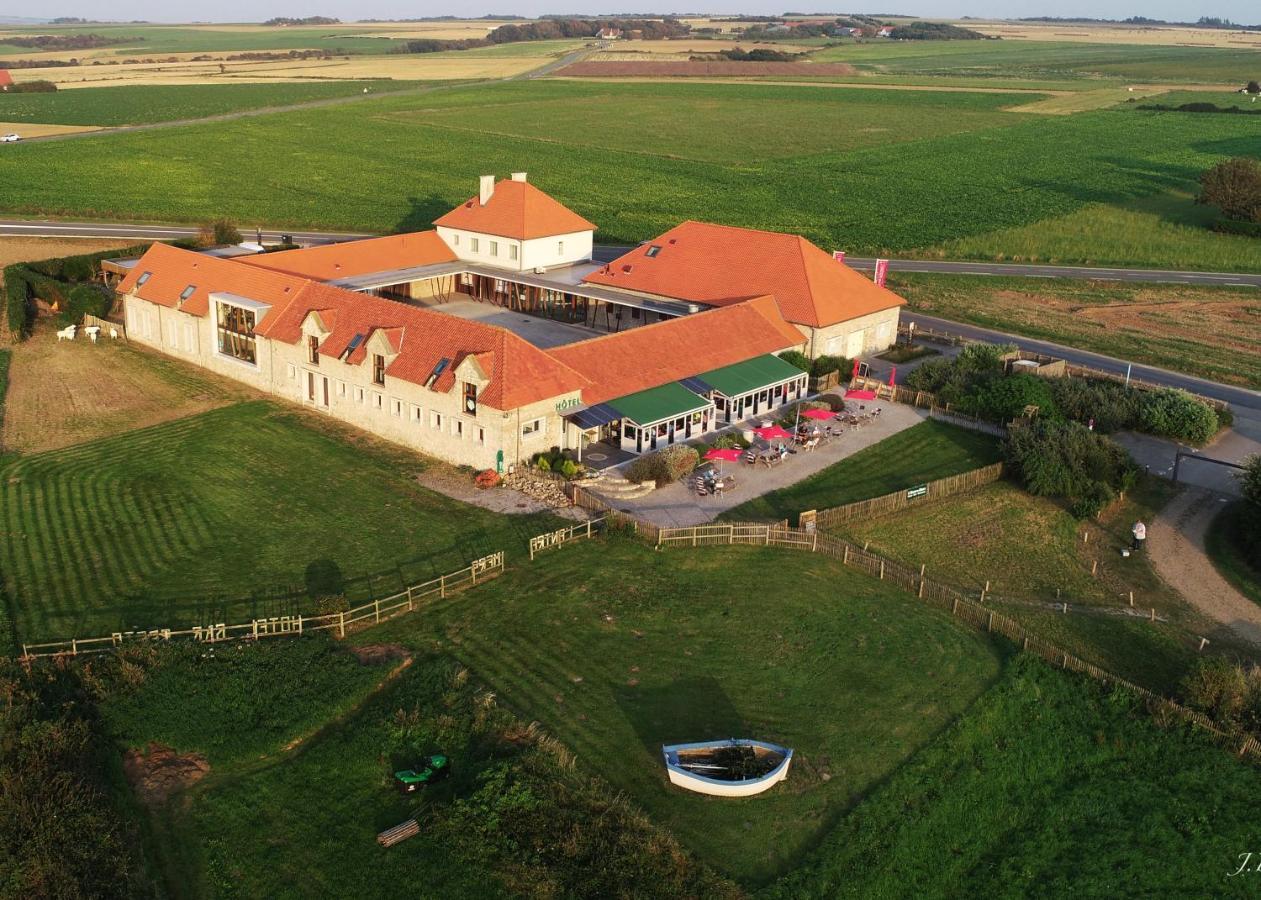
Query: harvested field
[(1069, 103), (32, 129), (1121, 34), (65, 393), (632, 49), (1212, 332), (16, 249), (689, 68)]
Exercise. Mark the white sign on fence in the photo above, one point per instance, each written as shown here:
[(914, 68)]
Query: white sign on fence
[(487, 563)]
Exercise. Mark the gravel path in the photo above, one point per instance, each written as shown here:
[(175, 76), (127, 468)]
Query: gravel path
[(1176, 544)]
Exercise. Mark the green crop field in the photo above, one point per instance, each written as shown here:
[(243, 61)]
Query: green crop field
[(143, 40), (218, 517), (1050, 60), (1232, 99), (892, 197), (617, 649), (925, 452), (141, 104)]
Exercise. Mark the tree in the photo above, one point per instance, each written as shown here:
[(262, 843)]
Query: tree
[(218, 233), (1234, 186)]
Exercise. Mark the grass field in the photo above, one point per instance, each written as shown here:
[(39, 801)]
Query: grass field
[(1163, 230), (1218, 98), (162, 103), (950, 186), (1229, 557), (514, 819), (925, 452), (222, 516), (1030, 549), (1212, 332), (1047, 786), (1056, 60), (618, 649)]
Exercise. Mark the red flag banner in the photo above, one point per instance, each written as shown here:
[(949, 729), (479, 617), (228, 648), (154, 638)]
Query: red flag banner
[(882, 271), (839, 256)]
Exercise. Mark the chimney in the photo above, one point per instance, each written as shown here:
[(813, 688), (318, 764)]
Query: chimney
[(518, 176), (486, 189)]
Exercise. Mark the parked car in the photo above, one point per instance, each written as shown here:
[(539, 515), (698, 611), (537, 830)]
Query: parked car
[(10, 138), (431, 769)]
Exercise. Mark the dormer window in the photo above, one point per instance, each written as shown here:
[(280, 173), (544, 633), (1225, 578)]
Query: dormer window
[(378, 369), (313, 349), (187, 292), (144, 276), (470, 398)]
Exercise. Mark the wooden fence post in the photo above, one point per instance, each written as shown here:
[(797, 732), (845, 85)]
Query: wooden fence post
[(376, 604), (1203, 641), (985, 590), (341, 623), (1153, 614), (882, 570), (1094, 567), (954, 610), (410, 606), (845, 558), (991, 625), (74, 646), (588, 528), (442, 586)]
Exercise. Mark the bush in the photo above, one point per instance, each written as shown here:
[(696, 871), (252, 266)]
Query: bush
[(1227, 692), (664, 466), (86, 300), (1067, 461), (218, 233), (33, 87), (1001, 398), (798, 359), (834, 402), (543, 464), (487, 478), (17, 302), (569, 468), (1114, 407), (1176, 414)]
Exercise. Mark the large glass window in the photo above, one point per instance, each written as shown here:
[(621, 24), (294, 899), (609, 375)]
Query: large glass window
[(313, 349), (236, 333), (378, 369)]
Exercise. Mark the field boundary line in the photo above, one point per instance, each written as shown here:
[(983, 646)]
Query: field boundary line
[(354, 619)]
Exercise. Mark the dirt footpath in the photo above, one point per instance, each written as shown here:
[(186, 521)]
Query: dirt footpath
[(1176, 544)]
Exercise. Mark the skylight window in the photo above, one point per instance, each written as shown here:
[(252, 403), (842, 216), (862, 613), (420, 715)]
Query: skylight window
[(653, 251), (437, 371), (145, 276), (187, 292)]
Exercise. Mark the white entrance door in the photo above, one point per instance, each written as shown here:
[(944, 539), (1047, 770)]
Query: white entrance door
[(854, 345)]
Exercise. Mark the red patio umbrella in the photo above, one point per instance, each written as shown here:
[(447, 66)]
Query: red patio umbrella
[(772, 432), (731, 454), (815, 413)]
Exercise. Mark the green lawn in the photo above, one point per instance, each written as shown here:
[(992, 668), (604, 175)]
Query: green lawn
[(141, 104), (240, 511), (949, 186), (1213, 332), (618, 649), (514, 819), (1229, 557), (924, 452), (1030, 549), (1048, 786)]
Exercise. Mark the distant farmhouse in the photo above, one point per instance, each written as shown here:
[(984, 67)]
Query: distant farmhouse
[(495, 336), (6, 80)]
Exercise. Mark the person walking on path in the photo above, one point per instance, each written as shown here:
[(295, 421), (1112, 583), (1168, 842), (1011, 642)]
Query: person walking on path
[(1140, 535)]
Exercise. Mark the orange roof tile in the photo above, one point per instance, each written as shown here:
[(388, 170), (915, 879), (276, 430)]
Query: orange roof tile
[(719, 265), (172, 270), (652, 355), (519, 372), (329, 262), (517, 209)]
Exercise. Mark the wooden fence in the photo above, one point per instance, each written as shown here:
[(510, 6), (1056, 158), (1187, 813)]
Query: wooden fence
[(105, 325), (944, 597), (561, 536), (898, 500), (364, 616), (924, 400), (585, 499)]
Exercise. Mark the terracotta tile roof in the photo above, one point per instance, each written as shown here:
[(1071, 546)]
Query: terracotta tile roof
[(5, 78), (344, 260), (517, 209), (519, 372), (172, 270), (719, 265), (652, 355)]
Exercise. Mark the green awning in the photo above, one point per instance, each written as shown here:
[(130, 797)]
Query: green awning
[(750, 375), (657, 404)]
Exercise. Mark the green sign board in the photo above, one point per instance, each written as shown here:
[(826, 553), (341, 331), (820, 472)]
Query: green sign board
[(920, 490)]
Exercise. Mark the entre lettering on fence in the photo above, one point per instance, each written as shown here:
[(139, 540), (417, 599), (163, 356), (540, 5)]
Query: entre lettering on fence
[(563, 535), (920, 490), (362, 616)]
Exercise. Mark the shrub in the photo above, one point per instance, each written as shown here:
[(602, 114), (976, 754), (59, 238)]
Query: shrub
[(1227, 692), (1176, 414), (835, 402), (86, 299), (664, 466), (218, 233), (1002, 398), (1114, 407), (1067, 461), (33, 87), (798, 359), (822, 365), (543, 464), (569, 468), (487, 478), (17, 302)]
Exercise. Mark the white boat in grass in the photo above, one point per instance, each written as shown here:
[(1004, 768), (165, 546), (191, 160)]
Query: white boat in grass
[(736, 767)]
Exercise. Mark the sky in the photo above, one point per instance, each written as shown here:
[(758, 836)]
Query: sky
[(1245, 11)]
